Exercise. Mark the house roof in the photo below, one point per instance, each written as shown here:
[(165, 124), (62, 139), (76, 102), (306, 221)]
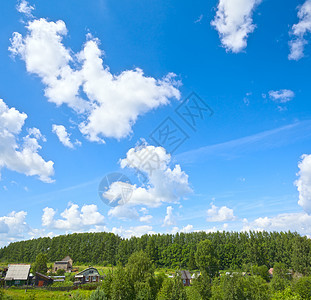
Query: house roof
[(61, 262), (185, 274), (43, 276), (91, 268), (67, 258), (17, 272)]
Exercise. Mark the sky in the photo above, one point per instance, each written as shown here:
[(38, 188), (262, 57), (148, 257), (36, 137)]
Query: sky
[(140, 117)]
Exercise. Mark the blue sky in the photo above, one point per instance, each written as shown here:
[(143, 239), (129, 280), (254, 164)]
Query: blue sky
[(71, 67)]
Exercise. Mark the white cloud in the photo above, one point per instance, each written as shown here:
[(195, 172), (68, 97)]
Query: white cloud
[(169, 219), (137, 231), (234, 22), (123, 212), (24, 157), (281, 96), (73, 219), (299, 31), (145, 219), (13, 227), (220, 214), (300, 222), (199, 19), (165, 184), (63, 135), (303, 183), (24, 8), (112, 103)]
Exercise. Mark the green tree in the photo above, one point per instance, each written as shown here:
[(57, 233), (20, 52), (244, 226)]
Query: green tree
[(303, 287), (202, 285), (206, 258), (40, 264), (121, 286), (98, 294)]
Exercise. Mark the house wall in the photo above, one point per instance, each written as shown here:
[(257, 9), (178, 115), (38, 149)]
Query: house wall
[(15, 282)]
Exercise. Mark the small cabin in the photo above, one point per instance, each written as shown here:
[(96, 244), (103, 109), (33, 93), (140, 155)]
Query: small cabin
[(42, 280), (87, 276), (17, 275), (186, 277)]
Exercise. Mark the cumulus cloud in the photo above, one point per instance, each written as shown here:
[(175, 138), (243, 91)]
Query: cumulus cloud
[(165, 184), (13, 227), (234, 22), (169, 219), (300, 222), (303, 183), (281, 96), (220, 214), (63, 135), (21, 157), (73, 219), (107, 104), (185, 229), (299, 32)]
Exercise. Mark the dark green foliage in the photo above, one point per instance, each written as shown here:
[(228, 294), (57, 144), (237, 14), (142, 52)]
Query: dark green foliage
[(122, 287), (237, 287), (202, 285), (301, 255), (232, 249), (98, 294), (172, 289), (206, 258), (60, 272), (303, 287), (40, 264)]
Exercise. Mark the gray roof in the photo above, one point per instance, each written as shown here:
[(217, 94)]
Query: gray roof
[(17, 272), (185, 274)]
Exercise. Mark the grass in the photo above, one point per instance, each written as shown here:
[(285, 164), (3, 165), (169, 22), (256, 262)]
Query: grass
[(44, 294)]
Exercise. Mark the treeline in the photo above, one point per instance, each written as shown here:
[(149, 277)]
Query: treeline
[(233, 249)]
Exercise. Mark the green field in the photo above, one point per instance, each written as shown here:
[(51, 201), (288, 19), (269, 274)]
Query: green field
[(44, 294)]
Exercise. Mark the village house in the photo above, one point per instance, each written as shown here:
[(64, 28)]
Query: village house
[(42, 280), (87, 276), (17, 275), (186, 277), (64, 264)]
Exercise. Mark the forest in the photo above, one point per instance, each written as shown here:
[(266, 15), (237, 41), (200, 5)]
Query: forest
[(228, 265), (232, 249)]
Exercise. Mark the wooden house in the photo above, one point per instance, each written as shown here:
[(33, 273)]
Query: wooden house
[(42, 280), (64, 264), (17, 275), (87, 276), (186, 277)]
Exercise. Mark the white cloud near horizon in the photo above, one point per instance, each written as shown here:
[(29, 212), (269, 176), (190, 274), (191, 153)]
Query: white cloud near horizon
[(169, 219), (73, 218), (21, 157), (303, 183), (108, 105), (299, 31), (220, 214), (234, 23), (300, 222)]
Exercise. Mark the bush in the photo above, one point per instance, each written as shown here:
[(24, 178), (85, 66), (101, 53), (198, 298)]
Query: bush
[(60, 272), (98, 294), (303, 287)]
